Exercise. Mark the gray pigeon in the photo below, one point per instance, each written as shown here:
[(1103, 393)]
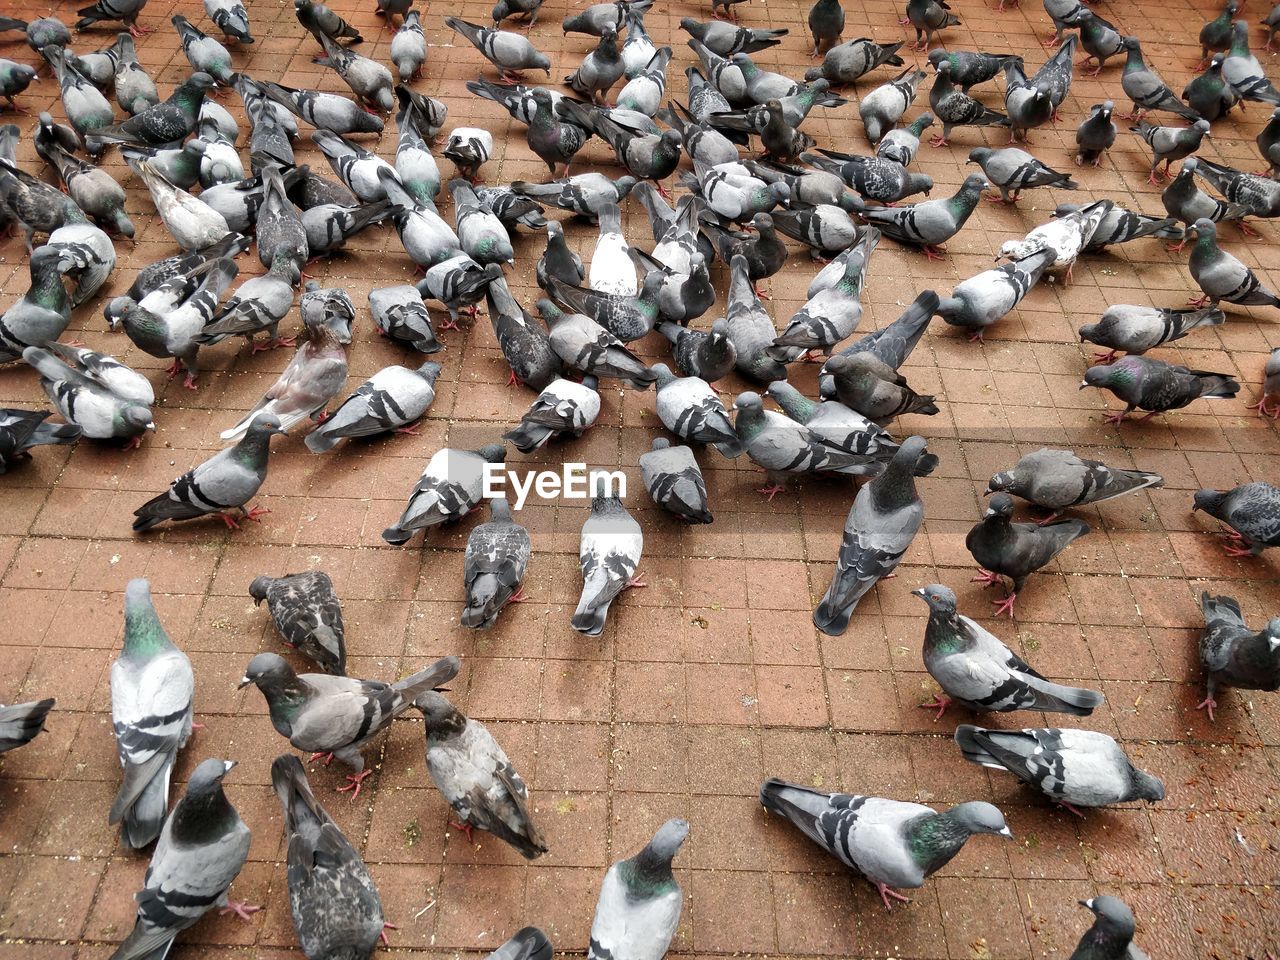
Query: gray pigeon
[(928, 17), (509, 52), (890, 842), (883, 107), (86, 109), (830, 316), (1272, 22), (564, 408), (203, 52), (308, 615), (865, 383), (337, 716), (399, 314), (1268, 141), (426, 238), (1119, 225), (1170, 143), (628, 318), (1057, 480), (522, 338), (96, 392), (1139, 329), (20, 430), (472, 771), (751, 329), (843, 429), (388, 402), (1220, 275), (583, 194), (493, 566), (335, 905), (826, 24), (1251, 510), (281, 234), (324, 111), (449, 488), (640, 899), (42, 314), (586, 346), (152, 685), (699, 353), (329, 226), (322, 22), (169, 122), (409, 47), (106, 11), (528, 9), (258, 305), (690, 409), (1185, 201), (1096, 134), (201, 850), (954, 108), (980, 673), (481, 233), (558, 260), (826, 229), (135, 91), (1111, 935), (874, 178), (609, 551), (14, 79), (1157, 386), (190, 221), (1244, 73), (20, 723), (970, 68), (458, 283), (365, 173), (1232, 655), (368, 79), (726, 39), (849, 61), (226, 481), (982, 300), (1145, 88), (901, 144), (1012, 170), (674, 481), (600, 69), (1259, 195), (1270, 386), (930, 223), (557, 142), (1016, 550), (230, 17), (1076, 768), (883, 521)]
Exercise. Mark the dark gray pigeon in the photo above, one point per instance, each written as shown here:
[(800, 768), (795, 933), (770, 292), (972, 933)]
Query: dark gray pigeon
[(883, 521), (928, 17), (976, 670), (201, 850), (450, 486), (640, 900), (1027, 104), (1232, 655), (864, 383), (169, 121), (522, 338), (1096, 134), (564, 408), (1209, 94), (1157, 386), (874, 178), (94, 190), (1057, 480), (1139, 329), (674, 481), (308, 615), (1268, 141), (1259, 195), (903, 143), (1111, 936), (1099, 39), (337, 716), (1170, 143), (1185, 201), (699, 353), (609, 551), (335, 905), (151, 690), (751, 328), (226, 481), (42, 314), (1011, 171), (368, 79), (493, 566), (20, 430), (600, 69), (1016, 550), (281, 234), (826, 24), (1252, 510), (472, 771), (890, 842), (322, 22), (954, 108), (231, 18), (1076, 768), (20, 723), (968, 69), (390, 401)]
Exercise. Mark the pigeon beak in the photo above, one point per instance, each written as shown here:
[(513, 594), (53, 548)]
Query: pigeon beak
[(1006, 833), (987, 492), (989, 513), (1083, 384), (918, 592), (152, 426), (227, 764), (1086, 903), (244, 682)]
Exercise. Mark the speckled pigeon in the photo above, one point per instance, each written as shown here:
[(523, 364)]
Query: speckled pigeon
[(308, 615), (1252, 510), (1232, 655), (20, 430), (493, 566)]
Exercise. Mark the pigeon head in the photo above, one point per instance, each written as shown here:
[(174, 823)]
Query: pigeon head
[(1147, 787), (1271, 633), (501, 10), (978, 154), (1065, 209), (264, 425), (720, 329), (661, 443), (1107, 109), (1001, 505), (1204, 227), (258, 589), (779, 191), (1089, 333), (492, 453), (813, 73), (978, 816), (662, 371), (666, 843), (429, 371), (137, 418), (1001, 481), (624, 184), (441, 715), (207, 778), (937, 58), (762, 221), (117, 310), (975, 182), (137, 599), (1210, 501), (850, 203), (1099, 376), (267, 670), (1203, 127), (1130, 43), (749, 402), (1113, 915), (653, 281), (548, 311), (919, 183), (943, 68), (671, 140), (554, 231), (938, 597), (499, 509)]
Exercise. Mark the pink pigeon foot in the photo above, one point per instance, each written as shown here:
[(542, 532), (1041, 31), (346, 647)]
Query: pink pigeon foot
[(134, 443), (886, 894), (986, 578), (173, 369), (1260, 406), (520, 596), (1107, 357), (465, 829), (1072, 809), (1209, 704), (941, 701), (935, 251), (354, 782), (137, 31), (637, 581), (1004, 606), (189, 381), (241, 908), (771, 491), (1234, 551), (450, 324), (230, 521), (1198, 301), (976, 337), (255, 513), (328, 758), (937, 140), (1116, 417), (513, 380), (386, 941), (411, 430)]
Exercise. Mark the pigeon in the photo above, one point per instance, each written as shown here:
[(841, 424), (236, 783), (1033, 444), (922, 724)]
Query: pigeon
[(594, 19), (1270, 386), (153, 276), (1251, 510), (98, 394), (1216, 35), (514, 211), (705, 100), (1145, 88), (493, 566), (1121, 225), (1233, 655), (980, 673), (730, 191), (469, 148), (472, 771), (231, 18), (20, 723), (827, 230), (882, 108), (86, 109), (135, 91), (450, 486), (1185, 201), (901, 144), (228, 480), (890, 842), (201, 850), (308, 615), (727, 6), (829, 317), (1054, 76), (982, 300), (399, 313), (179, 166), (1012, 170), (1244, 73), (170, 121), (563, 408), (335, 905), (954, 108), (647, 156), (517, 8), (1111, 936), (30, 203), (97, 66), (281, 234), (556, 142), (1259, 195), (1075, 768), (884, 519), (638, 49), (516, 98), (322, 22), (1067, 236), (20, 430), (927, 17), (760, 86), (42, 314), (329, 226), (1016, 550), (190, 221), (458, 283), (259, 304), (337, 716), (874, 178), (1065, 15), (611, 271), (1156, 385), (368, 79), (1056, 480), (891, 345), (842, 429), (582, 194), (1272, 22), (847, 62), (52, 32), (14, 79), (426, 238), (826, 24), (690, 409), (409, 48), (363, 172), (105, 11), (625, 317), (674, 481), (1209, 94), (563, 264), (644, 91), (509, 52), (808, 187), (331, 306), (586, 346), (324, 111), (708, 355), (1137, 329), (203, 52), (763, 251), (1170, 143), (930, 223), (968, 69), (751, 330), (1220, 275), (726, 39), (152, 685), (640, 899), (1095, 135), (480, 232), (389, 401), (609, 551)]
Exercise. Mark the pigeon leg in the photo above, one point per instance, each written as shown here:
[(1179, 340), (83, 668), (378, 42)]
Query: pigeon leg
[(328, 758), (941, 701), (886, 893), (1198, 301), (520, 596), (257, 346), (510, 77), (254, 513), (450, 324), (1233, 551), (173, 369), (935, 251), (1209, 704), (241, 908), (1247, 230), (663, 191), (772, 490), (1053, 515), (977, 337), (1005, 605), (230, 521), (189, 381), (1051, 39), (1151, 177), (386, 941), (354, 782), (466, 829), (1073, 810), (137, 31), (1174, 247), (1094, 72), (136, 442), (279, 342), (938, 140), (993, 198), (637, 581), (760, 294), (1116, 417), (986, 577), (1107, 357), (1260, 406), (411, 430), (513, 380)]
